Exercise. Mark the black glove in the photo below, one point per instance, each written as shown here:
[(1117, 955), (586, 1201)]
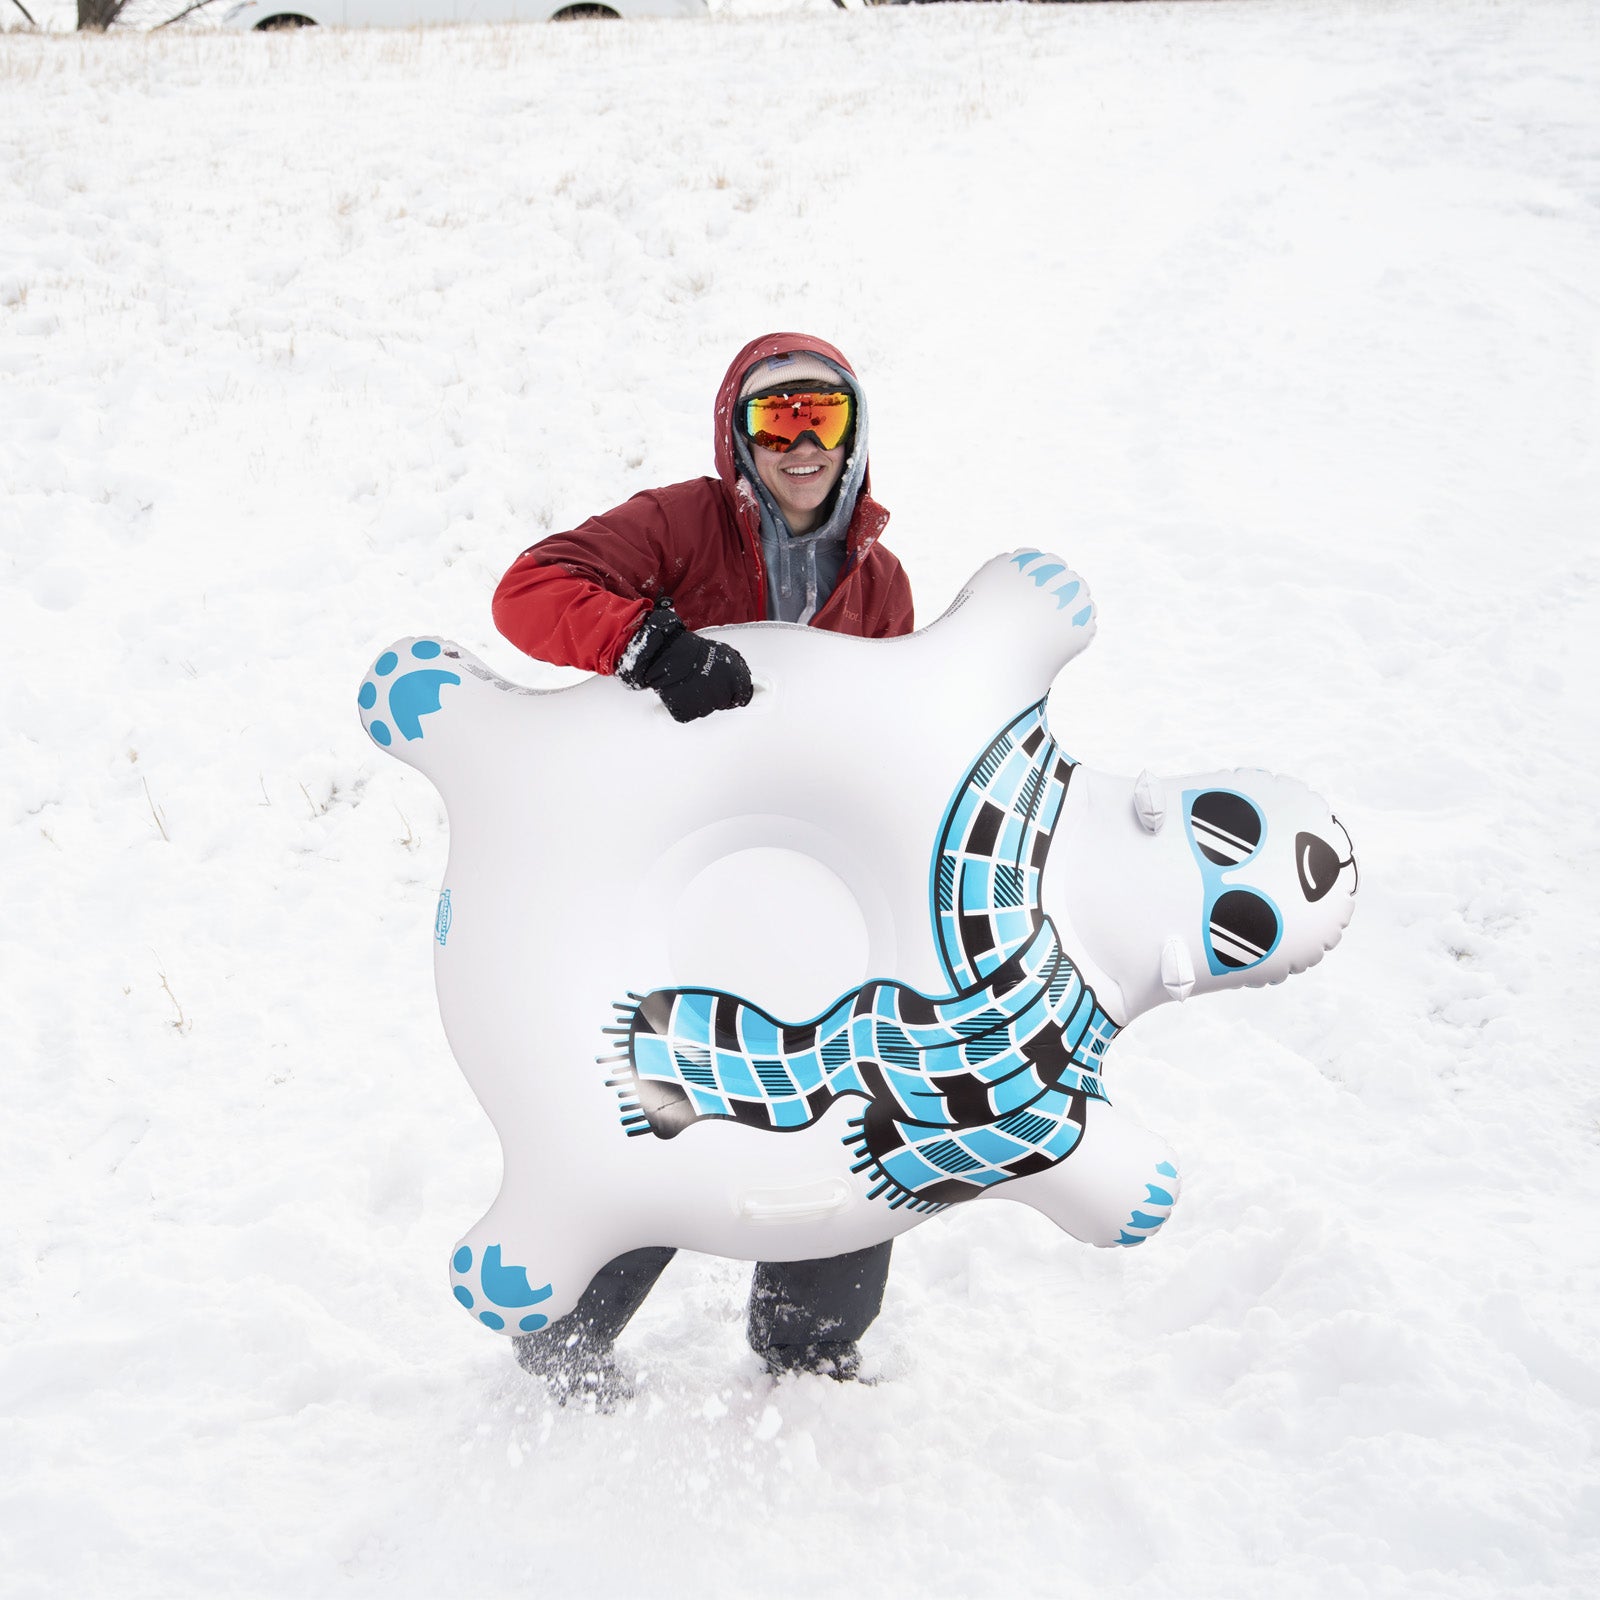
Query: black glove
[(694, 676)]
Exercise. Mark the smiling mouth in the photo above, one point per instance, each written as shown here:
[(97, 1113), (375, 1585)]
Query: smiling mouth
[(801, 472)]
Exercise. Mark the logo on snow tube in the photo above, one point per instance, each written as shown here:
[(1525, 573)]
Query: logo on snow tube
[(441, 920)]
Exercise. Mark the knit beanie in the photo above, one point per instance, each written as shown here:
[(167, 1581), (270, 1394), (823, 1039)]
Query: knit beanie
[(798, 367)]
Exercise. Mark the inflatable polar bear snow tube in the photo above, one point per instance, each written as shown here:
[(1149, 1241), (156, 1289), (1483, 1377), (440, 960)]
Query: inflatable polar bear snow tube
[(785, 982)]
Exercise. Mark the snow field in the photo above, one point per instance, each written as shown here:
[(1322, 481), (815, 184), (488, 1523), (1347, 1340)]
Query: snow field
[(1279, 322)]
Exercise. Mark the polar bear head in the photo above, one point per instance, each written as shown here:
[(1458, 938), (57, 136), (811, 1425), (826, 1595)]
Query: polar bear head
[(1184, 885)]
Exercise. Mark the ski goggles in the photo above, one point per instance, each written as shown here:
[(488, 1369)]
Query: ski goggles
[(1242, 926), (779, 421)]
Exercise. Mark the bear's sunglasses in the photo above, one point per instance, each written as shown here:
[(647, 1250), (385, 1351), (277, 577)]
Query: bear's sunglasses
[(779, 421), (1242, 926)]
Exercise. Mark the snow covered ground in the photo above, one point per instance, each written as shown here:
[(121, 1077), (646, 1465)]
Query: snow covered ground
[(1279, 321)]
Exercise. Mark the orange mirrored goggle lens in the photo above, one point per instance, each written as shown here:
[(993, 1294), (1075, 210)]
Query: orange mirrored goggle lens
[(780, 421)]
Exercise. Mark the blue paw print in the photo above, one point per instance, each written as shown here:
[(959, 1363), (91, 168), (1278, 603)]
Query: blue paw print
[(1154, 1209), (502, 1285), (1044, 569), (411, 696)]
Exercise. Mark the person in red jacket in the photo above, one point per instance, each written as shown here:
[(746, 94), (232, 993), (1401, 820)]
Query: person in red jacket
[(787, 531)]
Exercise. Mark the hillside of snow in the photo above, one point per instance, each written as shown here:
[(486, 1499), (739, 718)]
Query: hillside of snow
[(1280, 322)]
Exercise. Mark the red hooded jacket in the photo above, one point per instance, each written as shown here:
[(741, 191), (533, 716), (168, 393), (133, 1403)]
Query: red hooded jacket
[(577, 598)]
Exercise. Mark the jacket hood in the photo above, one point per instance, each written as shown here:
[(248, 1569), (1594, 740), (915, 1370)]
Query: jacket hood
[(800, 571), (764, 349)]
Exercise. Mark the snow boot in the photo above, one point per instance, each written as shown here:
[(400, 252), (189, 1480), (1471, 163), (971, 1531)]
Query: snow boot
[(578, 1370), (839, 1359), (574, 1354), (806, 1316)]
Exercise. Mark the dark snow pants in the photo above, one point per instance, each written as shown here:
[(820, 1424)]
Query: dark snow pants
[(792, 1303)]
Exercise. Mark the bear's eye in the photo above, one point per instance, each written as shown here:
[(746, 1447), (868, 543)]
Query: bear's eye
[(1227, 828), (1244, 928)]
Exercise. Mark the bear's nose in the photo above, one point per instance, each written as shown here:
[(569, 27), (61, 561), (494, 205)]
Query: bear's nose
[(1318, 864)]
